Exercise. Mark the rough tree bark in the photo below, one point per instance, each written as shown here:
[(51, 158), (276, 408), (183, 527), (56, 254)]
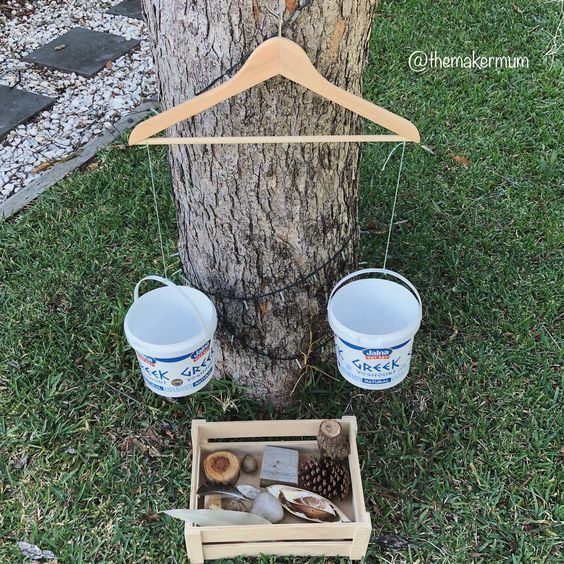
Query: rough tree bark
[(254, 219)]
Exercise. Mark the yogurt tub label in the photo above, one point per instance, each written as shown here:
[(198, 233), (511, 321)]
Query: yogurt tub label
[(373, 368), (178, 376)]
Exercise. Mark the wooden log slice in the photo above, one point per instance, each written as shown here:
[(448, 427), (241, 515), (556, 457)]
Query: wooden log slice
[(222, 467)]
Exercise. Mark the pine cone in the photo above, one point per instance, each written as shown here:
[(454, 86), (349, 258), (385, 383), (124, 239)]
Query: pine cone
[(325, 477)]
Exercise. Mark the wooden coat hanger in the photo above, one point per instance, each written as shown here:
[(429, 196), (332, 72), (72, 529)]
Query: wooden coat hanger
[(276, 56)]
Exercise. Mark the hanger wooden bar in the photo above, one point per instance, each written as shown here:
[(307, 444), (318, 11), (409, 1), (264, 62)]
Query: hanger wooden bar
[(269, 139), (276, 56)]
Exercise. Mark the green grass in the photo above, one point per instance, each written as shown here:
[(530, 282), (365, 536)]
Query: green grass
[(462, 459)]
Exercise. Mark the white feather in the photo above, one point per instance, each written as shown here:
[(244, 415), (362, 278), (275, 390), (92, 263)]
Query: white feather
[(216, 517)]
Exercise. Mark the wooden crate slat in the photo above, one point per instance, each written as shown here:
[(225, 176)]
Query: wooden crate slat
[(196, 453), (281, 531), (356, 478), (194, 547), (281, 548), (255, 446), (360, 542), (258, 429)]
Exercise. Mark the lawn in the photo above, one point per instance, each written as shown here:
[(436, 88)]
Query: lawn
[(462, 459)]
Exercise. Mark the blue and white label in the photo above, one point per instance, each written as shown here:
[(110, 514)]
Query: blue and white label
[(373, 368), (181, 375), (377, 353)]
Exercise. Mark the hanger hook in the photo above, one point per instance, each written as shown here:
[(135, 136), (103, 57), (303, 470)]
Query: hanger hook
[(279, 17)]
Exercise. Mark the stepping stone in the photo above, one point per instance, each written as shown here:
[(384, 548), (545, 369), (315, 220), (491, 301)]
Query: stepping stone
[(128, 8), (82, 51), (19, 106)]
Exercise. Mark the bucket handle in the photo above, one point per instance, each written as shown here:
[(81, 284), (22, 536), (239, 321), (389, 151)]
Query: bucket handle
[(377, 271), (168, 282)]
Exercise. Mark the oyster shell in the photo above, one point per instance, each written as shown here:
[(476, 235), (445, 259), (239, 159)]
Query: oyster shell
[(307, 505), (249, 492)]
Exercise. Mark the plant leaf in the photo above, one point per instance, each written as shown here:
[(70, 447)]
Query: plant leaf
[(212, 517), (461, 160)]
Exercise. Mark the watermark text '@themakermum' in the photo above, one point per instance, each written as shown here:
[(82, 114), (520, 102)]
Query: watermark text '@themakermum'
[(420, 61)]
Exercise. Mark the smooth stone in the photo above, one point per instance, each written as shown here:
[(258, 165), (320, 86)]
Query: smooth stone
[(267, 506), (249, 464)]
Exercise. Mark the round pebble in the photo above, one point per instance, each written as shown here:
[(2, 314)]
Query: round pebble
[(249, 464)]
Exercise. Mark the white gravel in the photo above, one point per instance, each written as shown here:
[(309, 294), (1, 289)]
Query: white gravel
[(84, 106)]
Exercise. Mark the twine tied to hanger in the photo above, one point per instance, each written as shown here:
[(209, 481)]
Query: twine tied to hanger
[(279, 17)]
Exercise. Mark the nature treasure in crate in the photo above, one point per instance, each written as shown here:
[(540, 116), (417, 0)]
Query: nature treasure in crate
[(322, 479), (325, 477), (222, 467), (266, 506), (222, 470), (281, 465)]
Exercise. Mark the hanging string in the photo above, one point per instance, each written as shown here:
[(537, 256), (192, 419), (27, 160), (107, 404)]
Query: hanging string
[(390, 155), (156, 209), (313, 273), (395, 197), (302, 279)]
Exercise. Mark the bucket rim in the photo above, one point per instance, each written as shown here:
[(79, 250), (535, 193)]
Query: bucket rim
[(206, 332), (150, 349), (356, 337), (346, 280)]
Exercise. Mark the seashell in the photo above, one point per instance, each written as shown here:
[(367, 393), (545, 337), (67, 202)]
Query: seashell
[(307, 505), (250, 492)]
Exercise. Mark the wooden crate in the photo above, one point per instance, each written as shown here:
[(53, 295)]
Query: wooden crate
[(292, 536)]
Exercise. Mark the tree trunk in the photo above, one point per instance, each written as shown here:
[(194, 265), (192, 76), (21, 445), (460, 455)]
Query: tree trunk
[(264, 230)]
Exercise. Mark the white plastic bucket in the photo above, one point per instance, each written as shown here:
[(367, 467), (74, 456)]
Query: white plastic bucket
[(374, 321), (171, 329)]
